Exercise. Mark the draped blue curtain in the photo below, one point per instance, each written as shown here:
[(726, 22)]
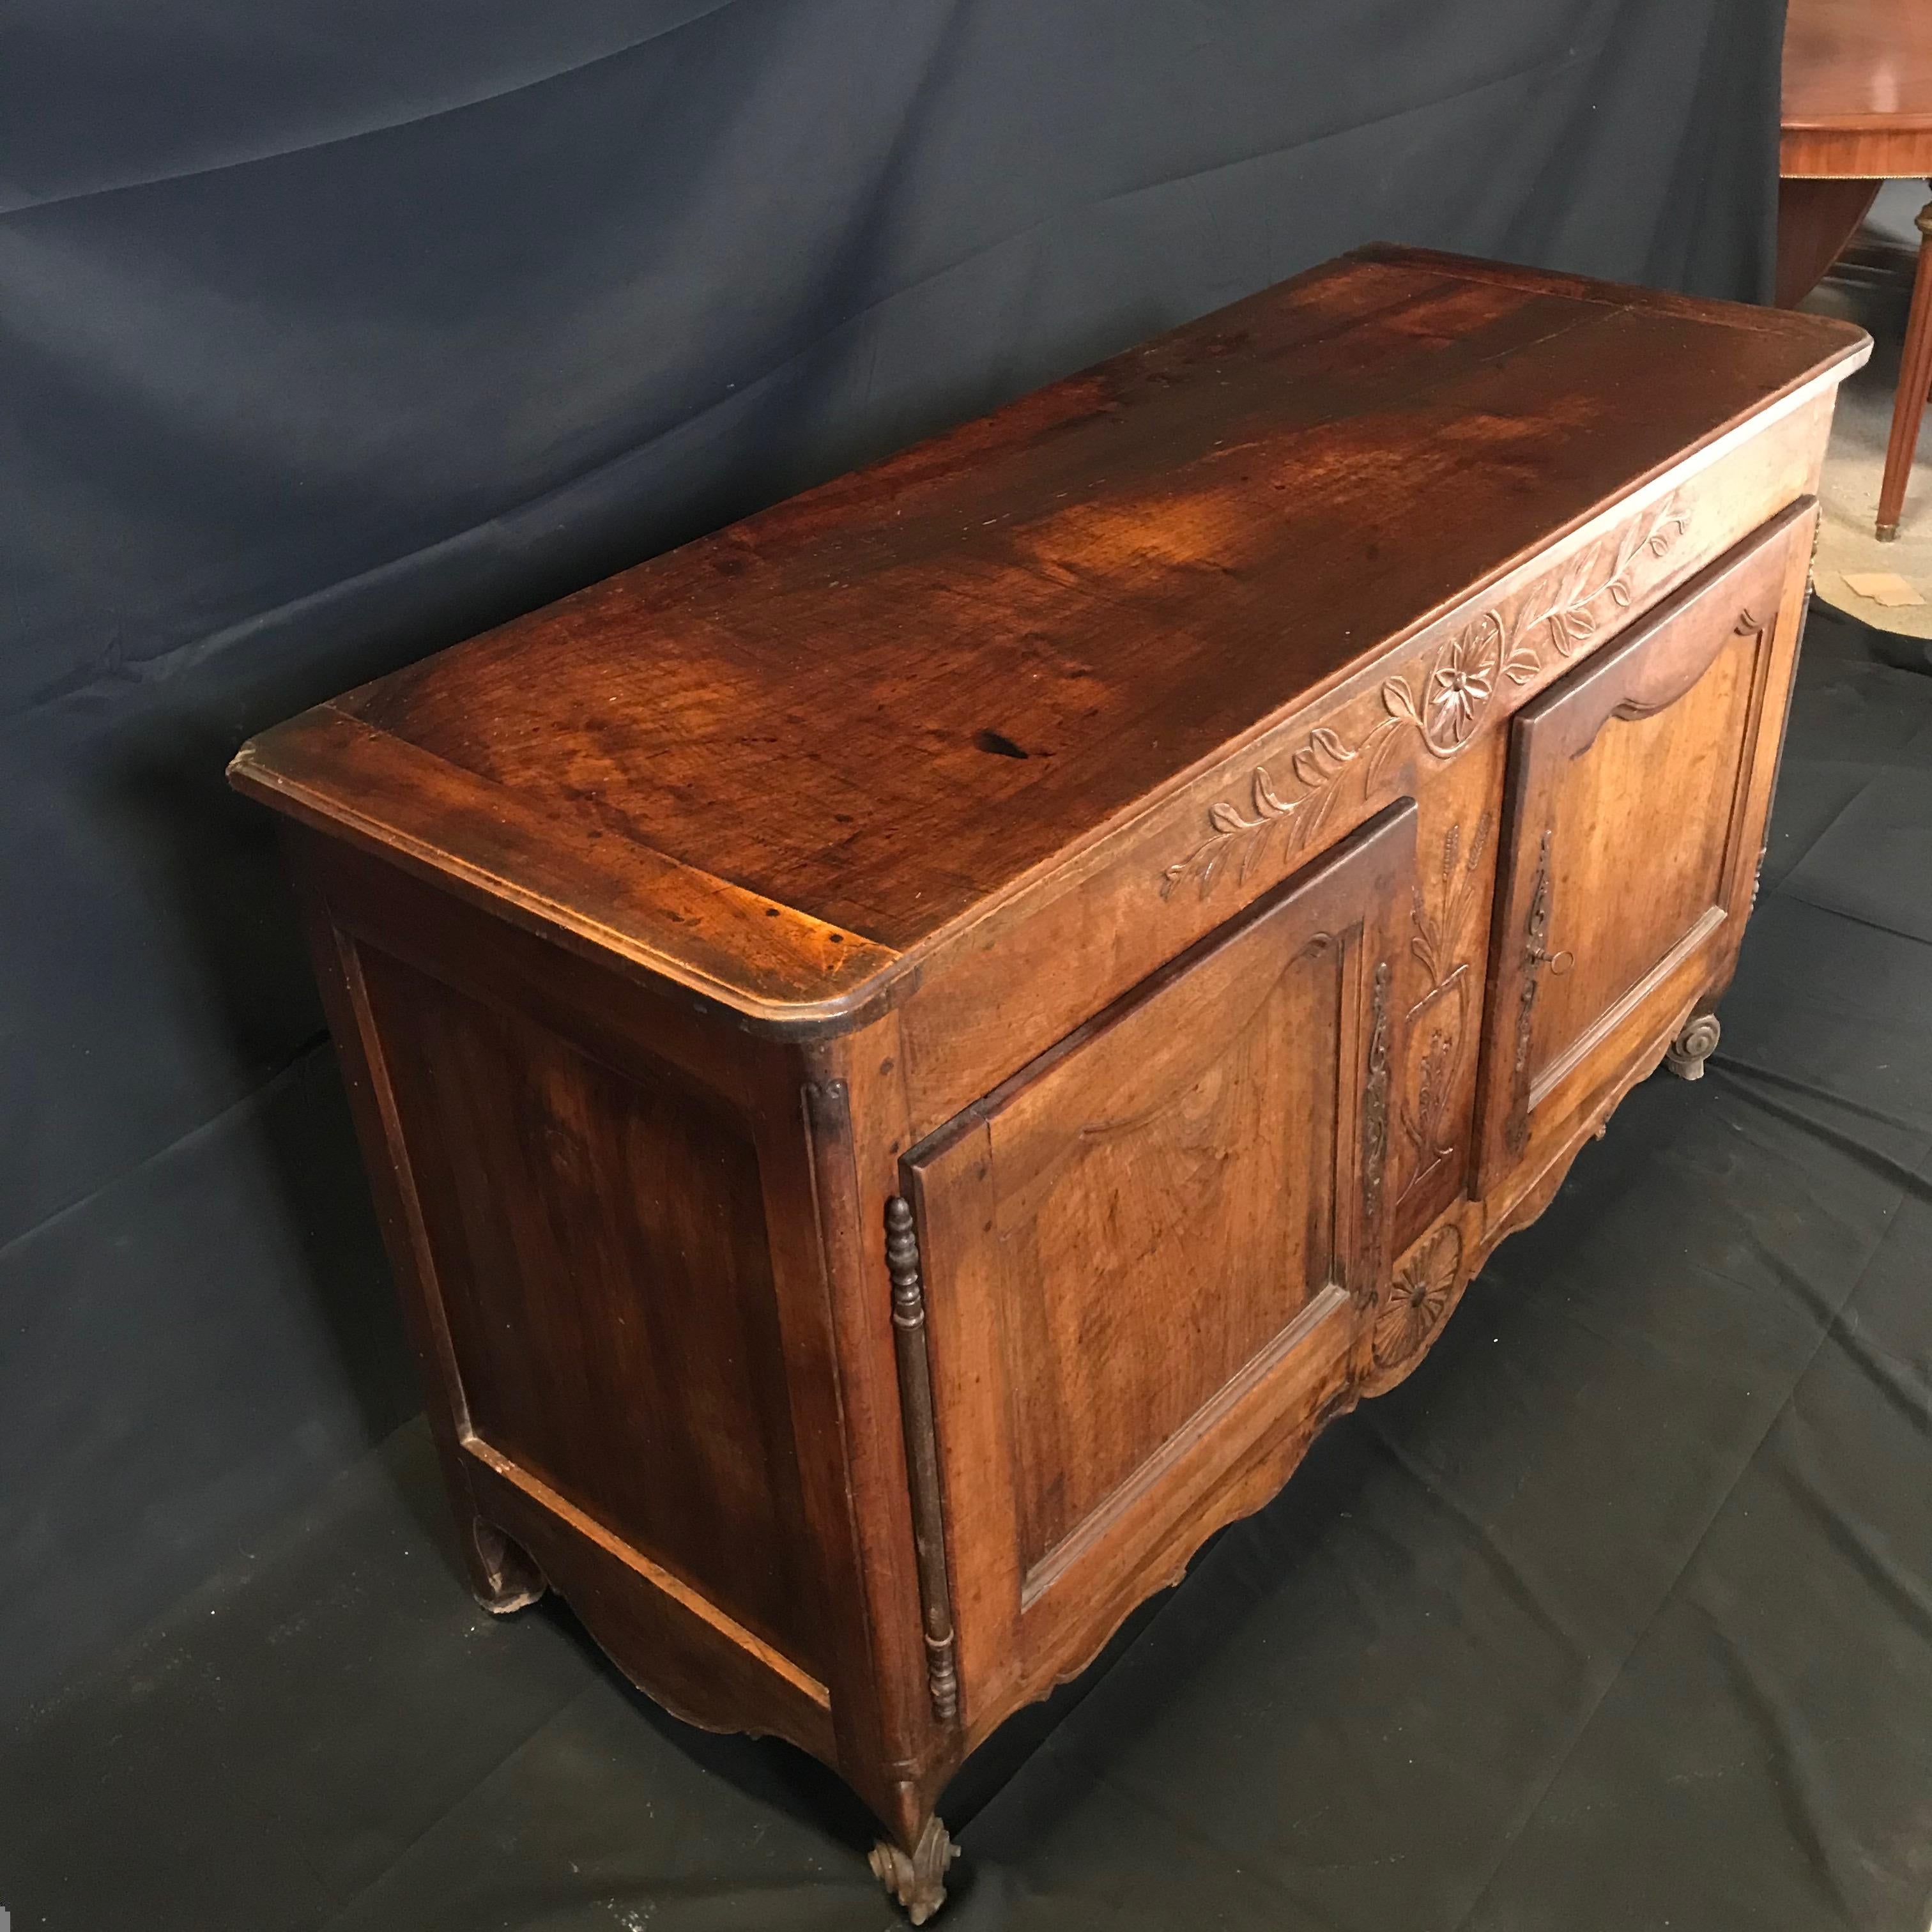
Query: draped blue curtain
[(329, 334)]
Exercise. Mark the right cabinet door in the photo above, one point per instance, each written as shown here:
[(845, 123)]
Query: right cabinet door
[(1634, 823)]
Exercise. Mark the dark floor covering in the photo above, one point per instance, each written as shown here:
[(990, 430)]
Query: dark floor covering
[(1618, 1615)]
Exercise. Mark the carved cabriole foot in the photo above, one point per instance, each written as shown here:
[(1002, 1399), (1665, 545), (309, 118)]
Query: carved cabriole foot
[(1694, 1046), (918, 1881), (502, 1577)]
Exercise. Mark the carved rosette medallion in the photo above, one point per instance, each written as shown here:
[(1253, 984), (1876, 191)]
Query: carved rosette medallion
[(1417, 1300), (1442, 705)]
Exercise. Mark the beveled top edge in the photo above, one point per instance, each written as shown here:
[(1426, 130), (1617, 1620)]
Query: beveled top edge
[(778, 971)]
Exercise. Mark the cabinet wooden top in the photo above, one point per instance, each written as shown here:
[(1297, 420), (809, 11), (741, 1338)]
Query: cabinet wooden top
[(775, 765)]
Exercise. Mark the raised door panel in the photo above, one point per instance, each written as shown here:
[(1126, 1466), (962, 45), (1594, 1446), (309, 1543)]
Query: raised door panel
[(1141, 1256), (1633, 824)]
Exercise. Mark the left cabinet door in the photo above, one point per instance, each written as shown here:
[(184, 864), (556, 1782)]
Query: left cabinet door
[(1143, 1256)]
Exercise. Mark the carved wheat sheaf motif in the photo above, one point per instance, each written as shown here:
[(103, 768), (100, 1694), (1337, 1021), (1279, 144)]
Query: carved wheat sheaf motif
[(1425, 1115), (1434, 942), (1443, 707)]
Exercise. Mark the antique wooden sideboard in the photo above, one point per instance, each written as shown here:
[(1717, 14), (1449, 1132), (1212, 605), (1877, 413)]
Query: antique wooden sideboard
[(914, 1051)]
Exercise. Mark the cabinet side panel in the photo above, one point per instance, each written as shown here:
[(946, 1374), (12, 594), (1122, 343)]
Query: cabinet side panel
[(600, 1252)]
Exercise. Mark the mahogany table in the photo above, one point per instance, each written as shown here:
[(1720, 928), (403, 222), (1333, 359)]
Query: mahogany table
[(1857, 112)]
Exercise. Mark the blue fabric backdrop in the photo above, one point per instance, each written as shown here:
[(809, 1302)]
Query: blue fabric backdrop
[(329, 334)]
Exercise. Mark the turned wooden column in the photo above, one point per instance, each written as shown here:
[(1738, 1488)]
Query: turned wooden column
[(1914, 375)]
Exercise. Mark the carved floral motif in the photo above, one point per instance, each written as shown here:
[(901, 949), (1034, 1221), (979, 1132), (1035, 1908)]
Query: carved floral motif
[(1443, 708), (1464, 678), (1459, 689), (1418, 1299)]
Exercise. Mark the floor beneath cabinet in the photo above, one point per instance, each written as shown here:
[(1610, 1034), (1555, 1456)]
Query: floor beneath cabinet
[(1618, 1615)]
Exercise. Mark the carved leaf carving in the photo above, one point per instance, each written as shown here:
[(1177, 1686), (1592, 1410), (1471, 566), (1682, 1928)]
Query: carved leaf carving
[(1571, 620), (1398, 703), (1440, 943)]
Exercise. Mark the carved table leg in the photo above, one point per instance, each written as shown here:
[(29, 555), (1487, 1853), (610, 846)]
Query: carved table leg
[(502, 1577), (1915, 372), (917, 1881), (1693, 1046)]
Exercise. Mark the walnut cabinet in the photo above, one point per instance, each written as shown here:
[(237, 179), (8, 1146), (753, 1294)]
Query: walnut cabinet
[(912, 1052)]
